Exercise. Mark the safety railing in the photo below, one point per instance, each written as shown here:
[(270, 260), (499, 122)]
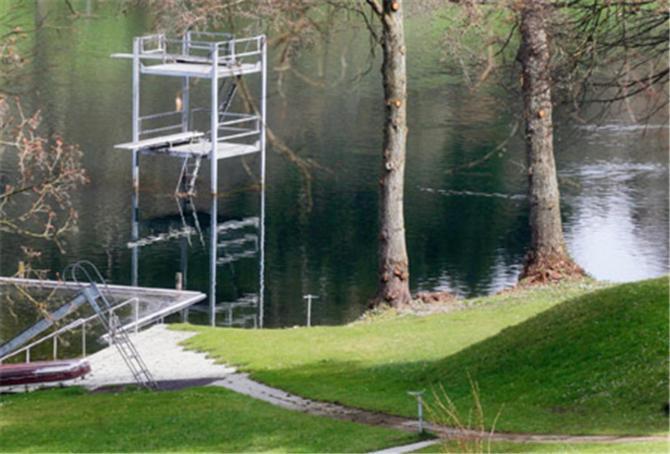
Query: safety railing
[(81, 322), (200, 47), (160, 123)]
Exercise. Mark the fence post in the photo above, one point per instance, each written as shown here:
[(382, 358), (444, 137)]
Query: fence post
[(136, 310), (83, 339), (309, 299)]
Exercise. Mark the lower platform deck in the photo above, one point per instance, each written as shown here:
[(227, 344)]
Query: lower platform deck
[(189, 144)]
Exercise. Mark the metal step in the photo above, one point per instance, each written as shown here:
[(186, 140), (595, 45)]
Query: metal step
[(188, 176)]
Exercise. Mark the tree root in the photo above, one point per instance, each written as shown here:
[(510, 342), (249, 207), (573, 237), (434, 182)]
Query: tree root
[(542, 269)]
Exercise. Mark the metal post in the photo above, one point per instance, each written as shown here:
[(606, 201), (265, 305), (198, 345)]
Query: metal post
[(136, 113), (214, 119), (135, 235), (183, 265), (83, 340), (28, 355), (213, 164), (212, 261), (309, 299), (419, 403), (135, 160), (136, 311), (55, 347), (185, 85), (261, 293)]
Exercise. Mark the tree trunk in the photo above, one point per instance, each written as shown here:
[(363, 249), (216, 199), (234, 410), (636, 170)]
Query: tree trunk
[(547, 259), (393, 264)]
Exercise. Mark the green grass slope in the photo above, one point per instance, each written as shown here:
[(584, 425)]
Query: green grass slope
[(597, 363), (561, 359), (197, 419)]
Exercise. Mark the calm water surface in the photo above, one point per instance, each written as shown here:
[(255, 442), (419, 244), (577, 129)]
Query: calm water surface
[(466, 229)]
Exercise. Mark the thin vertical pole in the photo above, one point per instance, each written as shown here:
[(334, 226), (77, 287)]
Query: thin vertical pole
[(212, 261), (83, 340), (183, 266), (134, 234), (261, 294), (135, 160), (136, 112), (213, 164), (214, 119), (136, 312), (185, 88)]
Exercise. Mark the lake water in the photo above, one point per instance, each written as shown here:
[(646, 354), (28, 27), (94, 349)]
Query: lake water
[(466, 229)]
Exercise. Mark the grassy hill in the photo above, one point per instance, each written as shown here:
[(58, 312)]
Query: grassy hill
[(559, 359), (599, 362)]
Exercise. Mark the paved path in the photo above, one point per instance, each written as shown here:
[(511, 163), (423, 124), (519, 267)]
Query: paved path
[(166, 359), (169, 362), (241, 383)]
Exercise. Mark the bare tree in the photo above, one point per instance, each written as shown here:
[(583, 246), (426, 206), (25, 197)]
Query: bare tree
[(36, 196)]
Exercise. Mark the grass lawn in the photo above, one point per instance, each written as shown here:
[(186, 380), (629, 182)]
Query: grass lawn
[(590, 448), (563, 359), (196, 419)]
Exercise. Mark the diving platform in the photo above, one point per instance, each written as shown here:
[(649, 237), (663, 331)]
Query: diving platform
[(176, 145), (200, 70), (195, 132), (208, 123)]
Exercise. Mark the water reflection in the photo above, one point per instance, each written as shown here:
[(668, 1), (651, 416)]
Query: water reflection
[(467, 231), (227, 243)]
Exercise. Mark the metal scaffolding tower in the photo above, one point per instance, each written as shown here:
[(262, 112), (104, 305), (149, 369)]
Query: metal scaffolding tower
[(223, 60)]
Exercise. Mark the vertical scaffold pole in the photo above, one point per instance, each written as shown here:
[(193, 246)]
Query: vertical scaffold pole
[(185, 86), (213, 164), (136, 113), (135, 235), (261, 299), (135, 161), (214, 119)]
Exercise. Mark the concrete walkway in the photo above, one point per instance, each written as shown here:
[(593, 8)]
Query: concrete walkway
[(241, 383), (166, 359)]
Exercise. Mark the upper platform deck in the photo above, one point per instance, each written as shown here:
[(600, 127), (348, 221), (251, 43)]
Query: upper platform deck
[(196, 54)]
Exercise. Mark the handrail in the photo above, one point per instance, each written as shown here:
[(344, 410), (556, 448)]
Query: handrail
[(160, 115), (239, 120), (240, 135), (70, 326)]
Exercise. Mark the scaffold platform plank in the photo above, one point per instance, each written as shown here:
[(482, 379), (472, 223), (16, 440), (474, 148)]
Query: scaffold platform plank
[(162, 141), (203, 71), (223, 149)]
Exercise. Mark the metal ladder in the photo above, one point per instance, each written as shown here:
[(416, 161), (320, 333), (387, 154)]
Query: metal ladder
[(103, 309), (188, 176)]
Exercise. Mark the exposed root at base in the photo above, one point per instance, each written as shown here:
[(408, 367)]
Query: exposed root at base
[(541, 269)]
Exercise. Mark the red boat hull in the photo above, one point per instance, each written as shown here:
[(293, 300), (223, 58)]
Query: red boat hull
[(42, 372)]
